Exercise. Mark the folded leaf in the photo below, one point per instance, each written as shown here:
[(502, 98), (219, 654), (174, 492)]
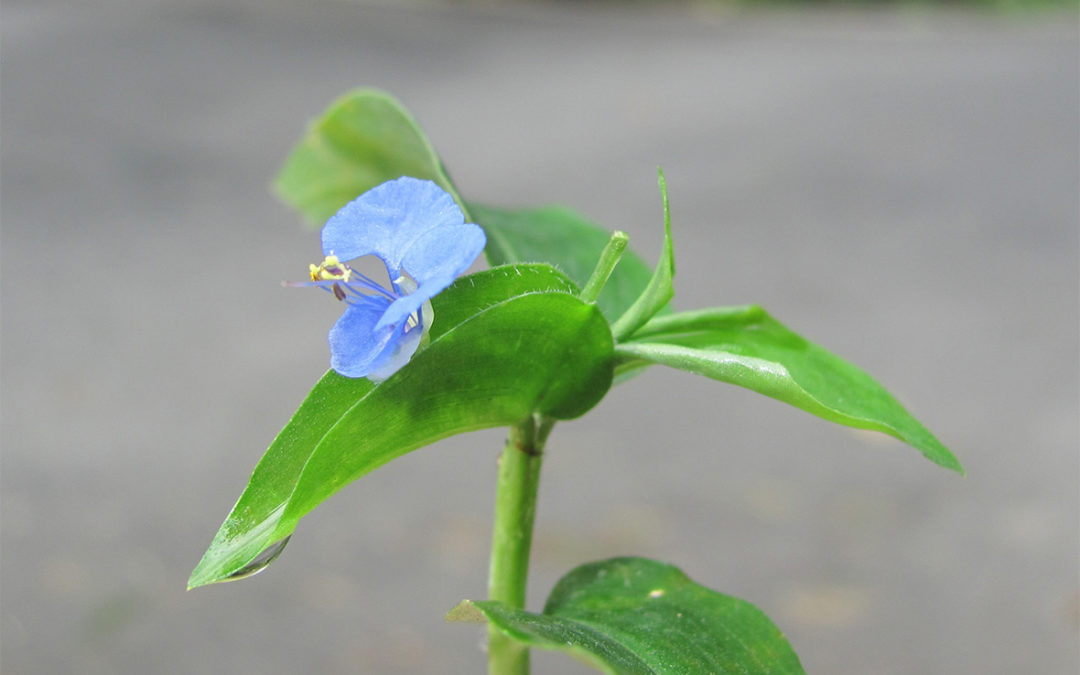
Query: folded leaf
[(636, 616), (506, 343), (747, 347)]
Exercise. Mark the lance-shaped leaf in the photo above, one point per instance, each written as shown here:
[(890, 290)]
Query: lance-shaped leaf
[(659, 291), (747, 347), (634, 616), (506, 343), (561, 237), (365, 138)]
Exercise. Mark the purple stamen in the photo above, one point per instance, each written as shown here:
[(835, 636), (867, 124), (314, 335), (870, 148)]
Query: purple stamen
[(370, 284)]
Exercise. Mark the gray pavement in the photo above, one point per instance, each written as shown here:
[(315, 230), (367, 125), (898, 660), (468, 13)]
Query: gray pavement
[(899, 186)]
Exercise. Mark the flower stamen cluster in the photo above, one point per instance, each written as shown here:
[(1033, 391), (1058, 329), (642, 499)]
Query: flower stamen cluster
[(344, 282)]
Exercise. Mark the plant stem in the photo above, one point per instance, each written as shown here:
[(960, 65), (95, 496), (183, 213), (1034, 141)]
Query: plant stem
[(515, 511), (515, 500)]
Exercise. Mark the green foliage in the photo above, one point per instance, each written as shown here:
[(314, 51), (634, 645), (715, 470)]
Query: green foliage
[(561, 237), (636, 616), (660, 289), (364, 139), (506, 344), (517, 346), (747, 347)]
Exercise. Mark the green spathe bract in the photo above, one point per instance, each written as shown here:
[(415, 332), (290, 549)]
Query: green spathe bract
[(514, 324)]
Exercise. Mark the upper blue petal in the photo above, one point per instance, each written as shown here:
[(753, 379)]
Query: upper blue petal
[(442, 254), (409, 223)]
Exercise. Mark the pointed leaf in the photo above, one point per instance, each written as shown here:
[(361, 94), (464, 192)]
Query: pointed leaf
[(642, 617), (506, 343), (562, 238), (747, 347), (365, 138), (660, 289)]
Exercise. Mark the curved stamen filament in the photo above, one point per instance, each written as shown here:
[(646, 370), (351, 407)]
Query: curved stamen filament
[(346, 293), (368, 283)]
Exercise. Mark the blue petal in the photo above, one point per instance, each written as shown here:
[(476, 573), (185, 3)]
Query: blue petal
[(402, 352), (356, 347), (401, 308), (434, 260), (391, 219), (444, 253)]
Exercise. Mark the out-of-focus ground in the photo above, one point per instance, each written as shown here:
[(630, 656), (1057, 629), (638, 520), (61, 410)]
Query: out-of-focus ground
[(898, 185)]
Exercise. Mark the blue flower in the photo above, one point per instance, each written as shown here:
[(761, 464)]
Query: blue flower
[(420, 234)]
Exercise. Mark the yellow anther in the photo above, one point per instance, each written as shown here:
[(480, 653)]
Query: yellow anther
[(330, 269)]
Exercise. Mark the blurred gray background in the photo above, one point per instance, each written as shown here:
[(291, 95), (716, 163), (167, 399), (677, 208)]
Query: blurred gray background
[(898, 184)]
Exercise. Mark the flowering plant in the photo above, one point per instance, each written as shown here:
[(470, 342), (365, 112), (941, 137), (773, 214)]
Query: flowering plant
[(564, 312)]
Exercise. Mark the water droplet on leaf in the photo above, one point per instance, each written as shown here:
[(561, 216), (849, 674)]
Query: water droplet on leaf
[(260, 562)]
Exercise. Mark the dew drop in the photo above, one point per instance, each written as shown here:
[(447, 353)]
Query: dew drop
[(260, 562)]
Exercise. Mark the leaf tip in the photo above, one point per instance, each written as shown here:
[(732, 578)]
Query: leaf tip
[(934, 450), (466, 612), (204, 574), (197, 579), (669, 250), (949, 461)]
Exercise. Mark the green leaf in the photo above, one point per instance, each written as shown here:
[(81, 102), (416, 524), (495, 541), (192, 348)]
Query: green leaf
[(505, 344), (562, 238), (642, 617), (364, 139), (747, 347), (660, 290)]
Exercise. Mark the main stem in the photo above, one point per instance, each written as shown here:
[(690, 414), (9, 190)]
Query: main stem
[(515, 511), (515, 500)]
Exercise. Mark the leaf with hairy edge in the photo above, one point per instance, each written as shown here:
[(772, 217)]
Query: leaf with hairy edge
[(505, 344), (747, 347), (634, 616)]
